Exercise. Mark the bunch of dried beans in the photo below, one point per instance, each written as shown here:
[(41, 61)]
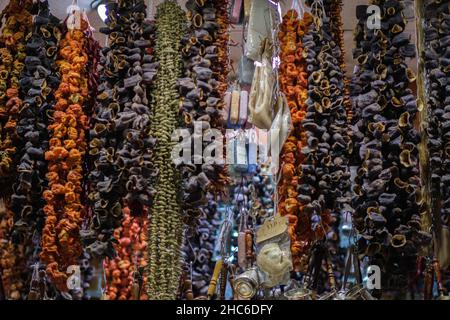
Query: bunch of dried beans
[(388, 200), (61, 245), (166, 224), (325, 172), (202, 89), (293, 79), (17, 25), (18, 22), (122, 272), (120, 145), (37, 83)]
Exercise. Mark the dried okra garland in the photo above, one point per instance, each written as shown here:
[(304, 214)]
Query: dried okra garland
[(166, 225)]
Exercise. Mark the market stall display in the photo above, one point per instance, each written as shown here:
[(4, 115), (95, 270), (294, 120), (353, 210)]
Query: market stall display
[(154, 168)]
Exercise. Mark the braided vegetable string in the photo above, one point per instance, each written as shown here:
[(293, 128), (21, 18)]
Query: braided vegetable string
[(38, 81), (388, 200), (61, 245), (121, 147), (132, 252), (18, 21), (166, 225), (293, 80)]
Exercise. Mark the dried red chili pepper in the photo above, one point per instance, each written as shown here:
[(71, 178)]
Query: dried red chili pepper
[(293, 83), (131, 258), (61, 245)]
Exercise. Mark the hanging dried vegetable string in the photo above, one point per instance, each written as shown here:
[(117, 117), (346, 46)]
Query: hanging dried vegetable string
[(135, 151), (293, 80), (198, 249), (222, 42), (61, 245), (121, 147), (388, 187), (337, 255), (18, 21), (206, 46), (325, 170), (17, 25), (437, 19), (166, 225), (334, 9), (130, 261), (38, 81), (202, 89)]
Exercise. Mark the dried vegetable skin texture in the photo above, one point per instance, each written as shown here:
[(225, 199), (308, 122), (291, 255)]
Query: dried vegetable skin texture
[(202, 89), (37, 83), (166, 224), (198, 249), (436, 30), (16, 27), (335, 10), (120, 145), (325, 173), (388, 200), (61, 243), (222, 67), (16, 21), (337, 254), (293, 79), (12, 258), (131, 256)]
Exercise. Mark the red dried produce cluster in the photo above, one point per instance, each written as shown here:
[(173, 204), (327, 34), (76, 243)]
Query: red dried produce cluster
[(293, 80), (131, 256), (61, 246)]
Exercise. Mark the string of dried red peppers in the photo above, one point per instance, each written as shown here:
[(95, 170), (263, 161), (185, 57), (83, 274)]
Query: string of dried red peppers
[(61, 246), (131, 250), (293, 80)]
